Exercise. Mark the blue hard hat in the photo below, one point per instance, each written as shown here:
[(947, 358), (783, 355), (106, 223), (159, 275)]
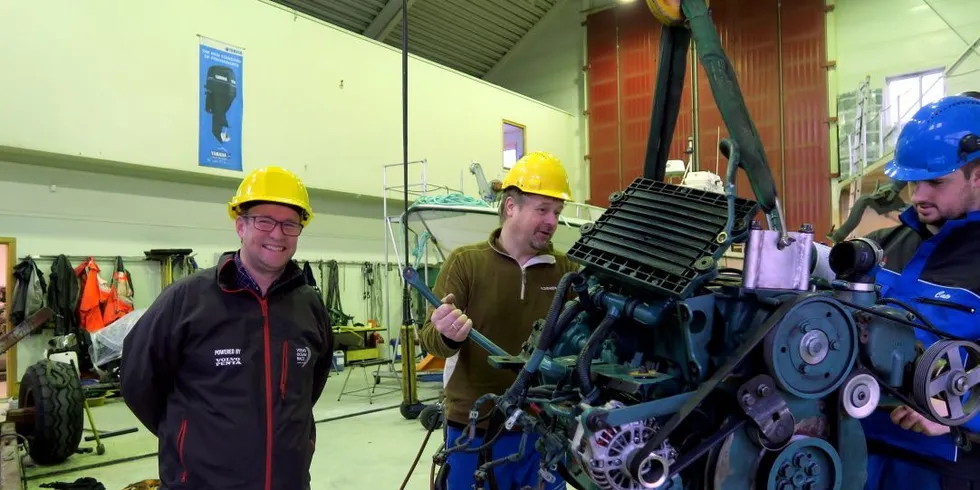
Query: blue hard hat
[(941, 137)]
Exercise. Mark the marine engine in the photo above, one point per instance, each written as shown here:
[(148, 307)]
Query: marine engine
[(658, 368)]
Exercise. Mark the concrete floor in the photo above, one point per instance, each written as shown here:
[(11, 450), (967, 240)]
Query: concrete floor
[(382, 448)]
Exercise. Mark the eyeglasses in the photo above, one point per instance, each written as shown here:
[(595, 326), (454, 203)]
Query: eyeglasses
[(267, 224)]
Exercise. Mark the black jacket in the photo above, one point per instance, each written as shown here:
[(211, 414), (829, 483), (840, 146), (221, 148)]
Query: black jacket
[(64, 291), (227, 380)]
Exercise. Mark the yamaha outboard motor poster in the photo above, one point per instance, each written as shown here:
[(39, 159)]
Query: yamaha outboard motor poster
[(220, 112)]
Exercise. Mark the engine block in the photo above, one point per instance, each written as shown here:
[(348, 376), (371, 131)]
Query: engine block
[(658, 368)]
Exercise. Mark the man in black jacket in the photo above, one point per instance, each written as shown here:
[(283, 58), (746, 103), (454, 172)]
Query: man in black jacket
[(226, 365)]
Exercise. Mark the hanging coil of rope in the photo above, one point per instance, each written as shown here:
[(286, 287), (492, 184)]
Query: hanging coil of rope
[(334, 306)]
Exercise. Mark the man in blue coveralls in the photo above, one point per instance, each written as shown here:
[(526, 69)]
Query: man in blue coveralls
[(931, 263)]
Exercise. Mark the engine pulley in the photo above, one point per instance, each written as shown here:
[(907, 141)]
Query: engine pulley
[(860, 395), (807, 463), (942, 374), (812, 350)]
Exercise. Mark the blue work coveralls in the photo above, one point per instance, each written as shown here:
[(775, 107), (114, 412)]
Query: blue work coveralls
[(941, 281)]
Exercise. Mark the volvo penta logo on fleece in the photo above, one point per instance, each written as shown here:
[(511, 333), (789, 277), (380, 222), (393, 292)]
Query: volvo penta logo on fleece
[(943, 295), (227, 357), (302, 356)]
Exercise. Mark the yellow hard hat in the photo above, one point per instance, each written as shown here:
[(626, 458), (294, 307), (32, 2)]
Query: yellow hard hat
[(272, 184), (539, 173)]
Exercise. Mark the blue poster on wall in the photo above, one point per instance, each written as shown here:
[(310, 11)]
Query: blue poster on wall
[(220, 106)]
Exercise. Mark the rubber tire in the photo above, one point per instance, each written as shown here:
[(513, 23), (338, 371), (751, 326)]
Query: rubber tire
[(431, 417), (60, 417), (411, 412)]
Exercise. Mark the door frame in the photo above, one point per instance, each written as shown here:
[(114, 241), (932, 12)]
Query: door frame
[(12, 382)]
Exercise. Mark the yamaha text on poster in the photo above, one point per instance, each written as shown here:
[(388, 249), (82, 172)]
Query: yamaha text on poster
[(220, 125)]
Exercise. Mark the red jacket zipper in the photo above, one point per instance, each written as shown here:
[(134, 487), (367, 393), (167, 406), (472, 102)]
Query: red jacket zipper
[(268, 393), (285, 369), (268, 383), (181, 435)]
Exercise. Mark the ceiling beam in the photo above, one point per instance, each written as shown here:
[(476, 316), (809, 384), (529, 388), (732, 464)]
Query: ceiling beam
[(387, 19), (525, 39)]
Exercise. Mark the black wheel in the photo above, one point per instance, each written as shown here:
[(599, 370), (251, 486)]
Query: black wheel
[(53, 389), (411, 412), (431, 417)]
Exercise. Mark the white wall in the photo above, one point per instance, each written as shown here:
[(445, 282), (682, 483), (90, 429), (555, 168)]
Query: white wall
[(884, 38), (118, 81), (547, 66), (54, 211)]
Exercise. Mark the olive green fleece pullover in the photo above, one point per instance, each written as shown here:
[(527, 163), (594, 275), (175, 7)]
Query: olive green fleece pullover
[(504, 300)]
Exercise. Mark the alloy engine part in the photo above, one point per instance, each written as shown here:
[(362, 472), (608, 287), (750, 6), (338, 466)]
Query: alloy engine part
[(860, 395), (604, 455)]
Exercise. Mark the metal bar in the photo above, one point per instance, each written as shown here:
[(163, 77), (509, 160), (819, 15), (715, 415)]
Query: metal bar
[(110, 433), (945, 21), (460, 39), (131, 258), (386, 20), (479, 11), (26, 327), (464, 26), (433, 44), (966, 54), (525, 39), (351, 263), (401, 164), (525, 14)]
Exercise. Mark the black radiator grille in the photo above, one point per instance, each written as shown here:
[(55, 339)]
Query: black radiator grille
[(659, 237)]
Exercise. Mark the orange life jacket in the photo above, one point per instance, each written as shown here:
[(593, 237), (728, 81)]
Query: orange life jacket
[(102, 303), (118, 301), (90, 303)]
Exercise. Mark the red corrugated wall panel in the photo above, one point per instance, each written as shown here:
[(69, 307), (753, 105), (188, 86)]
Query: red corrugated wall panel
[(617, 159), (603, 109), (804, 115), (750, 35), (638, 49)]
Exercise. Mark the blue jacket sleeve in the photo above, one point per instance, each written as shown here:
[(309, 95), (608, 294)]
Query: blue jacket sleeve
[(151, 359)]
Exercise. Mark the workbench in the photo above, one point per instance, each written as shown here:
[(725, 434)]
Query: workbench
[(357, 343)]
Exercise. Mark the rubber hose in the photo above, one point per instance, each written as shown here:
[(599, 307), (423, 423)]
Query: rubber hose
[(583, 366), (551, 335), (730, 149), (554, 327), (486, 454), (559, 299)]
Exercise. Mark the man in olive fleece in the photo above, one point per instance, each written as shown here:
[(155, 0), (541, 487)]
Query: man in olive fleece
[(500, 287)]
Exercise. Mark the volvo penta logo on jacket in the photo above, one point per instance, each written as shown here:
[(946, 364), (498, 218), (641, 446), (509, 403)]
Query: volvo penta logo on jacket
[(228, 357)]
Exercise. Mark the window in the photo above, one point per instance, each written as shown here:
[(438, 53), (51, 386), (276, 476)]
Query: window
[(514, 139), (907, 93)]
